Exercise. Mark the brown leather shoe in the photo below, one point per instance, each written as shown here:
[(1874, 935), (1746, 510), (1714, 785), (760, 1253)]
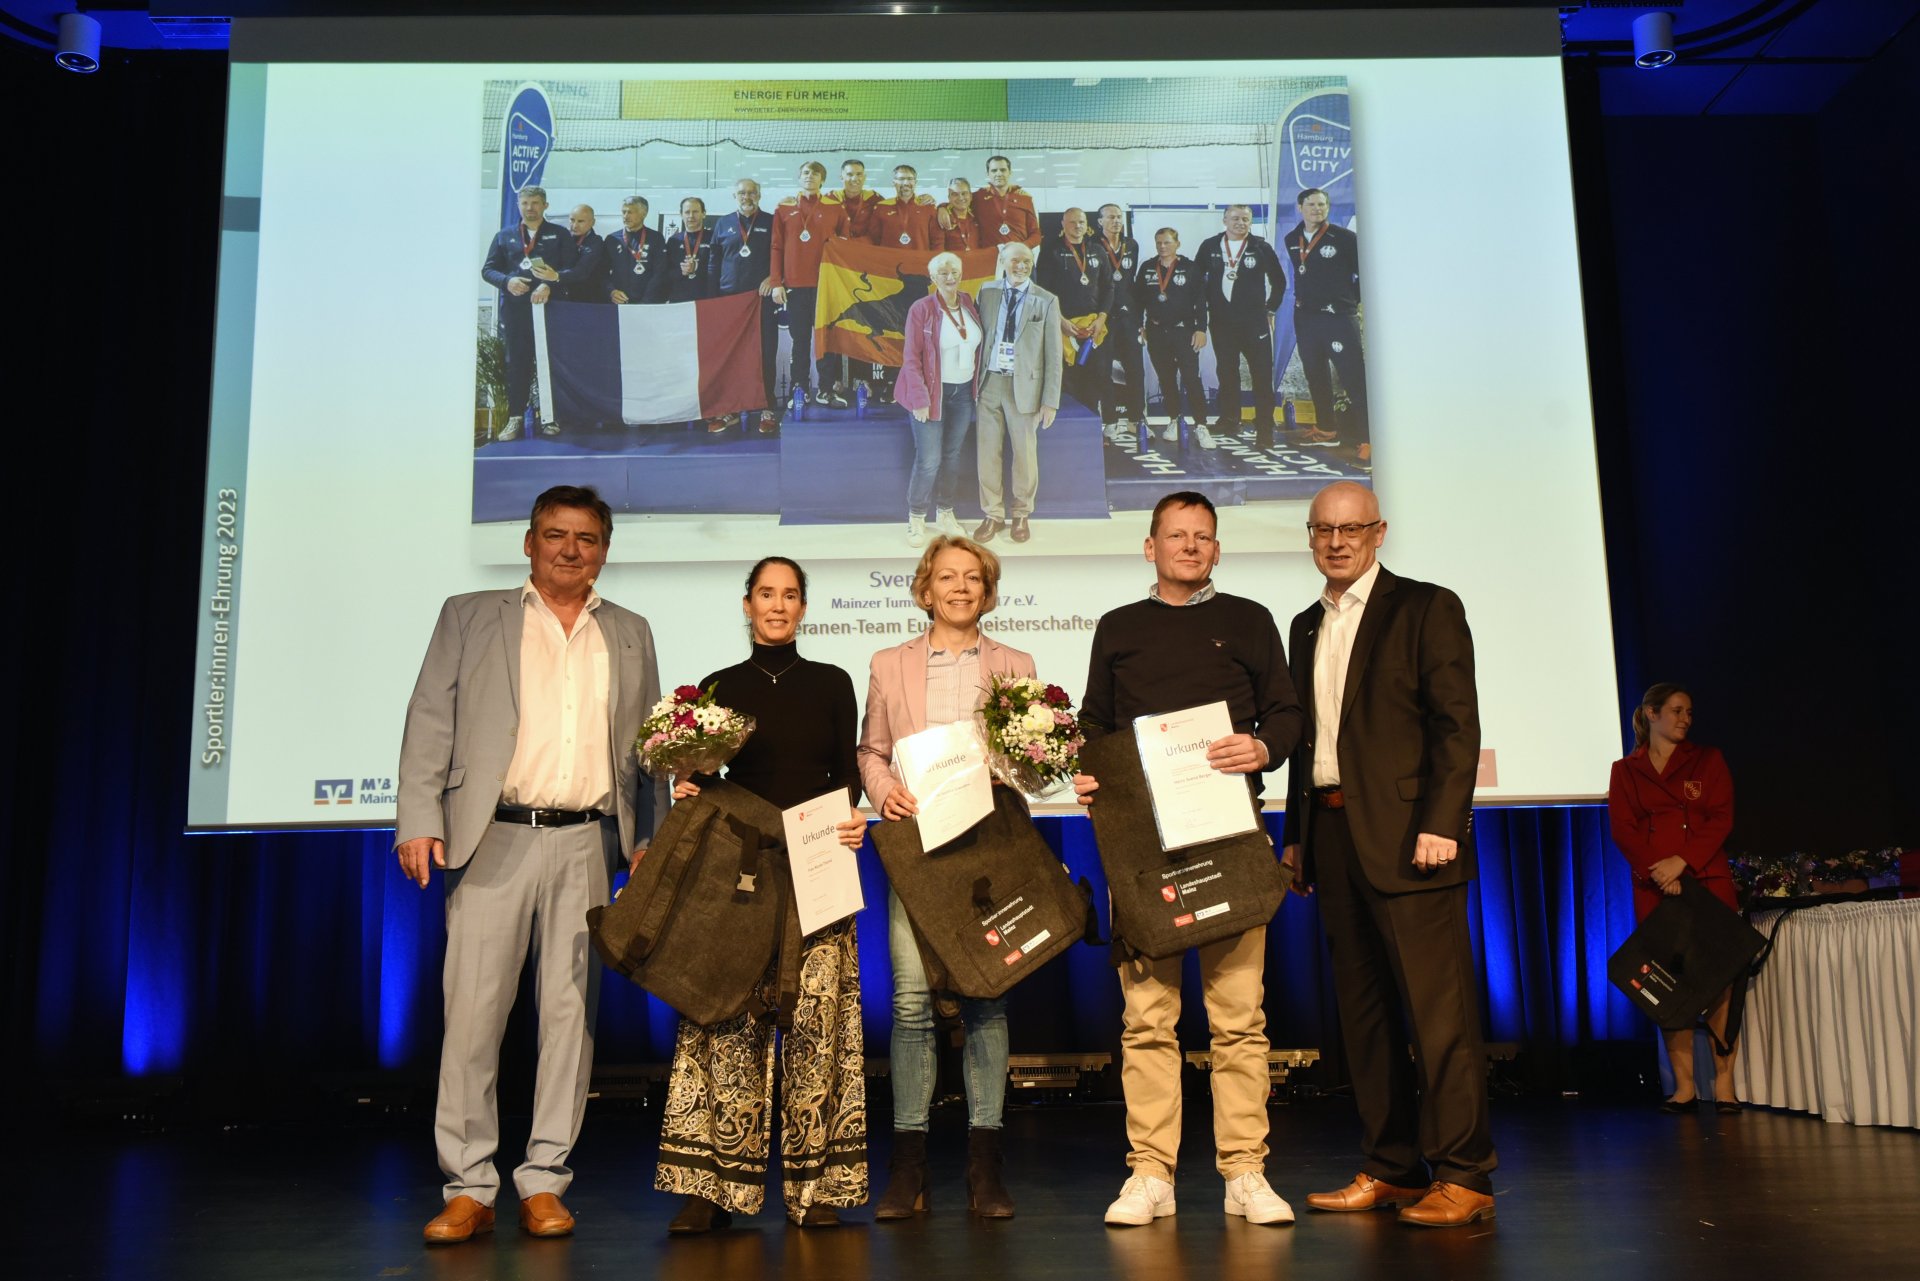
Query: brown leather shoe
[(542, 1215), (1364, 1193), (462, 1219), (1448, 1205)]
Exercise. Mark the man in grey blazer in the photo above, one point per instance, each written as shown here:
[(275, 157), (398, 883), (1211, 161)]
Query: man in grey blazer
[(1017, 385), (518, 776)]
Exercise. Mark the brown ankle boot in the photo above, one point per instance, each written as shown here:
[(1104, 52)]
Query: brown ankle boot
[(987, 1196), (907, 1186)]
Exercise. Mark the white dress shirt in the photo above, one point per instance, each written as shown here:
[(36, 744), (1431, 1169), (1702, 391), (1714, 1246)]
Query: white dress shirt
[(1332, 648), (561, 756)]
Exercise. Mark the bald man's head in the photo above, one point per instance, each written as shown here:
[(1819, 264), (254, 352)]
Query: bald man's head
[(1343, 494), (1344, 532)]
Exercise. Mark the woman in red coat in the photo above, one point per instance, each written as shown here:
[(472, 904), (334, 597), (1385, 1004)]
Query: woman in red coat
[(1671, 807)]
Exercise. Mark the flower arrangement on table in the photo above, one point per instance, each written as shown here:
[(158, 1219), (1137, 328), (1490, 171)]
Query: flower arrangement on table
[(1767, 875), (1867, 866), (1033, 738), (688, 733), (1796, 875)]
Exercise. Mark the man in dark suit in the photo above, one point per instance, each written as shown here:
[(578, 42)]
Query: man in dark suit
[(1380, 820)]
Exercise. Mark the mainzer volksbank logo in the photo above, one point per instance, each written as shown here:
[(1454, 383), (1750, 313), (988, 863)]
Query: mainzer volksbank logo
[(340, 791)]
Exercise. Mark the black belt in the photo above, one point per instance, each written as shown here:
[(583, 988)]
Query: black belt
[(1329, 798), (545, 818)]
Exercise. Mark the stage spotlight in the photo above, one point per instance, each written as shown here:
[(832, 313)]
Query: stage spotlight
[(1653, 40), (79, 43)]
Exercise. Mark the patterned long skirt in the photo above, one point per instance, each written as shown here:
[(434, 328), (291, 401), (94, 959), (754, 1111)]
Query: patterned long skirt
[(715, 1136)]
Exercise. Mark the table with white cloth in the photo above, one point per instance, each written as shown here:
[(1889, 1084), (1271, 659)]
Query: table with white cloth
[(1833, 1019)]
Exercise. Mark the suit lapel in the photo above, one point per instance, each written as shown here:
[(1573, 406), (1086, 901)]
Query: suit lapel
[(1372, 621), (913, 671), (1305, 649), (512, 620), (615, 642)]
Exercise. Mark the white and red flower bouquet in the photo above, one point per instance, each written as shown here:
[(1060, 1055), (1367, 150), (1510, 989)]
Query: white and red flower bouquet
[(1033, 738), (688, 733)]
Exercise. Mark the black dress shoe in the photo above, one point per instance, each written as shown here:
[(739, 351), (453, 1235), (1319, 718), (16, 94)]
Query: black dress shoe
[(1677, 1107), (986, 529), (1020, 531), (1727, 1107)]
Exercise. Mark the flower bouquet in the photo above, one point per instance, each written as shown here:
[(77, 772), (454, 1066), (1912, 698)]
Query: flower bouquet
[(1033, 740), (688, 733)]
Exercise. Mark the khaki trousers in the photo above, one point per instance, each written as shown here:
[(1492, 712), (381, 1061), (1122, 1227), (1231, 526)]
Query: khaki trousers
[(1000, 424), (1230, 973)]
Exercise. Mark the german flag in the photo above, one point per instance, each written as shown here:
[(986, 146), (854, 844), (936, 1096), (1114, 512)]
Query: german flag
[(865, 290)]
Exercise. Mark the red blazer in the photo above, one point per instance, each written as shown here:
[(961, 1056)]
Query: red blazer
[(919, 382), (1687, 810), (897, 703)]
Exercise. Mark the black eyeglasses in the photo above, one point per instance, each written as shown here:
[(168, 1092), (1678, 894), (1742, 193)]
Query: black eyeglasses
[(1324, 533)]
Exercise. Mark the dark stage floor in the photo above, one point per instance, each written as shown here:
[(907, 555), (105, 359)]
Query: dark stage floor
[(1613, 1192)]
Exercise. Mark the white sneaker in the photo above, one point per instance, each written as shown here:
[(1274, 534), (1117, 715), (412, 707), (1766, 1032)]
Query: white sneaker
[(949, 524), (1203, 438), (1143, 1199), (1111, 431), (1171, 432), (916, 531), (1249, 1197)]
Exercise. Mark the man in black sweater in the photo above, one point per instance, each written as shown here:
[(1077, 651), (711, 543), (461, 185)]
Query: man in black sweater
[(1186, 645)]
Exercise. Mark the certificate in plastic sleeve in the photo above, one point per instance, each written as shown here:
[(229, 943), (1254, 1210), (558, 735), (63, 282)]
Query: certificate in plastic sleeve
[(946, 770), (826, 876), (1192, 801)]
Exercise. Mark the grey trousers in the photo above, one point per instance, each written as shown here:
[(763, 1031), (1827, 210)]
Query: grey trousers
[(1000, 424), (524, 887)]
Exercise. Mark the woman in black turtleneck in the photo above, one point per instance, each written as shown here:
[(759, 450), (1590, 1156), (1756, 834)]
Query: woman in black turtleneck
[(714, 1136)]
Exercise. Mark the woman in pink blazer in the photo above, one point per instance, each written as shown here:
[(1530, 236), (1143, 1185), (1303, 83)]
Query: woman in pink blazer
[(936, 679), (942, 336)]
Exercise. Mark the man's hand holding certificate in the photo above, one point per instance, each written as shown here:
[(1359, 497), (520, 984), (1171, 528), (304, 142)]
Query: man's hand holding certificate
[(1193, 799), (945, 769)]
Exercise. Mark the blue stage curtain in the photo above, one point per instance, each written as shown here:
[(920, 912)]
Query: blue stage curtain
[(166, 954)]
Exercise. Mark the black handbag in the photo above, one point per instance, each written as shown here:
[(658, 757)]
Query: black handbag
[(989, 907), (1165, 902), (708, 910), (1690, 948)]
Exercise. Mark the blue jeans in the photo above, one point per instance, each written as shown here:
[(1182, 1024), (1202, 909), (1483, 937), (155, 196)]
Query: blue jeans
[(913, 1047), (936, 450)]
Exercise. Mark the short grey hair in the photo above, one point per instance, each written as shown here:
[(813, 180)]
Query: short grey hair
[(630, 201), (940, 260)]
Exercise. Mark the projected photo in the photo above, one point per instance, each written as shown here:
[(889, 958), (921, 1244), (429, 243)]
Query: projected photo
[(699, 296)]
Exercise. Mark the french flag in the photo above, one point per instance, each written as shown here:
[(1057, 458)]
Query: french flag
[(666, 363)]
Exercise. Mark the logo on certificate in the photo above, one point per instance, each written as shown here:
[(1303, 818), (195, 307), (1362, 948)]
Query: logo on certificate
[(993, 937), (1169, 893)]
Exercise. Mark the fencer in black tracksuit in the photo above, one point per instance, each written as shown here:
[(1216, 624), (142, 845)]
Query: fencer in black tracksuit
[(511, 256), (1171, 302), (1326, 308), (1245, 287)]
